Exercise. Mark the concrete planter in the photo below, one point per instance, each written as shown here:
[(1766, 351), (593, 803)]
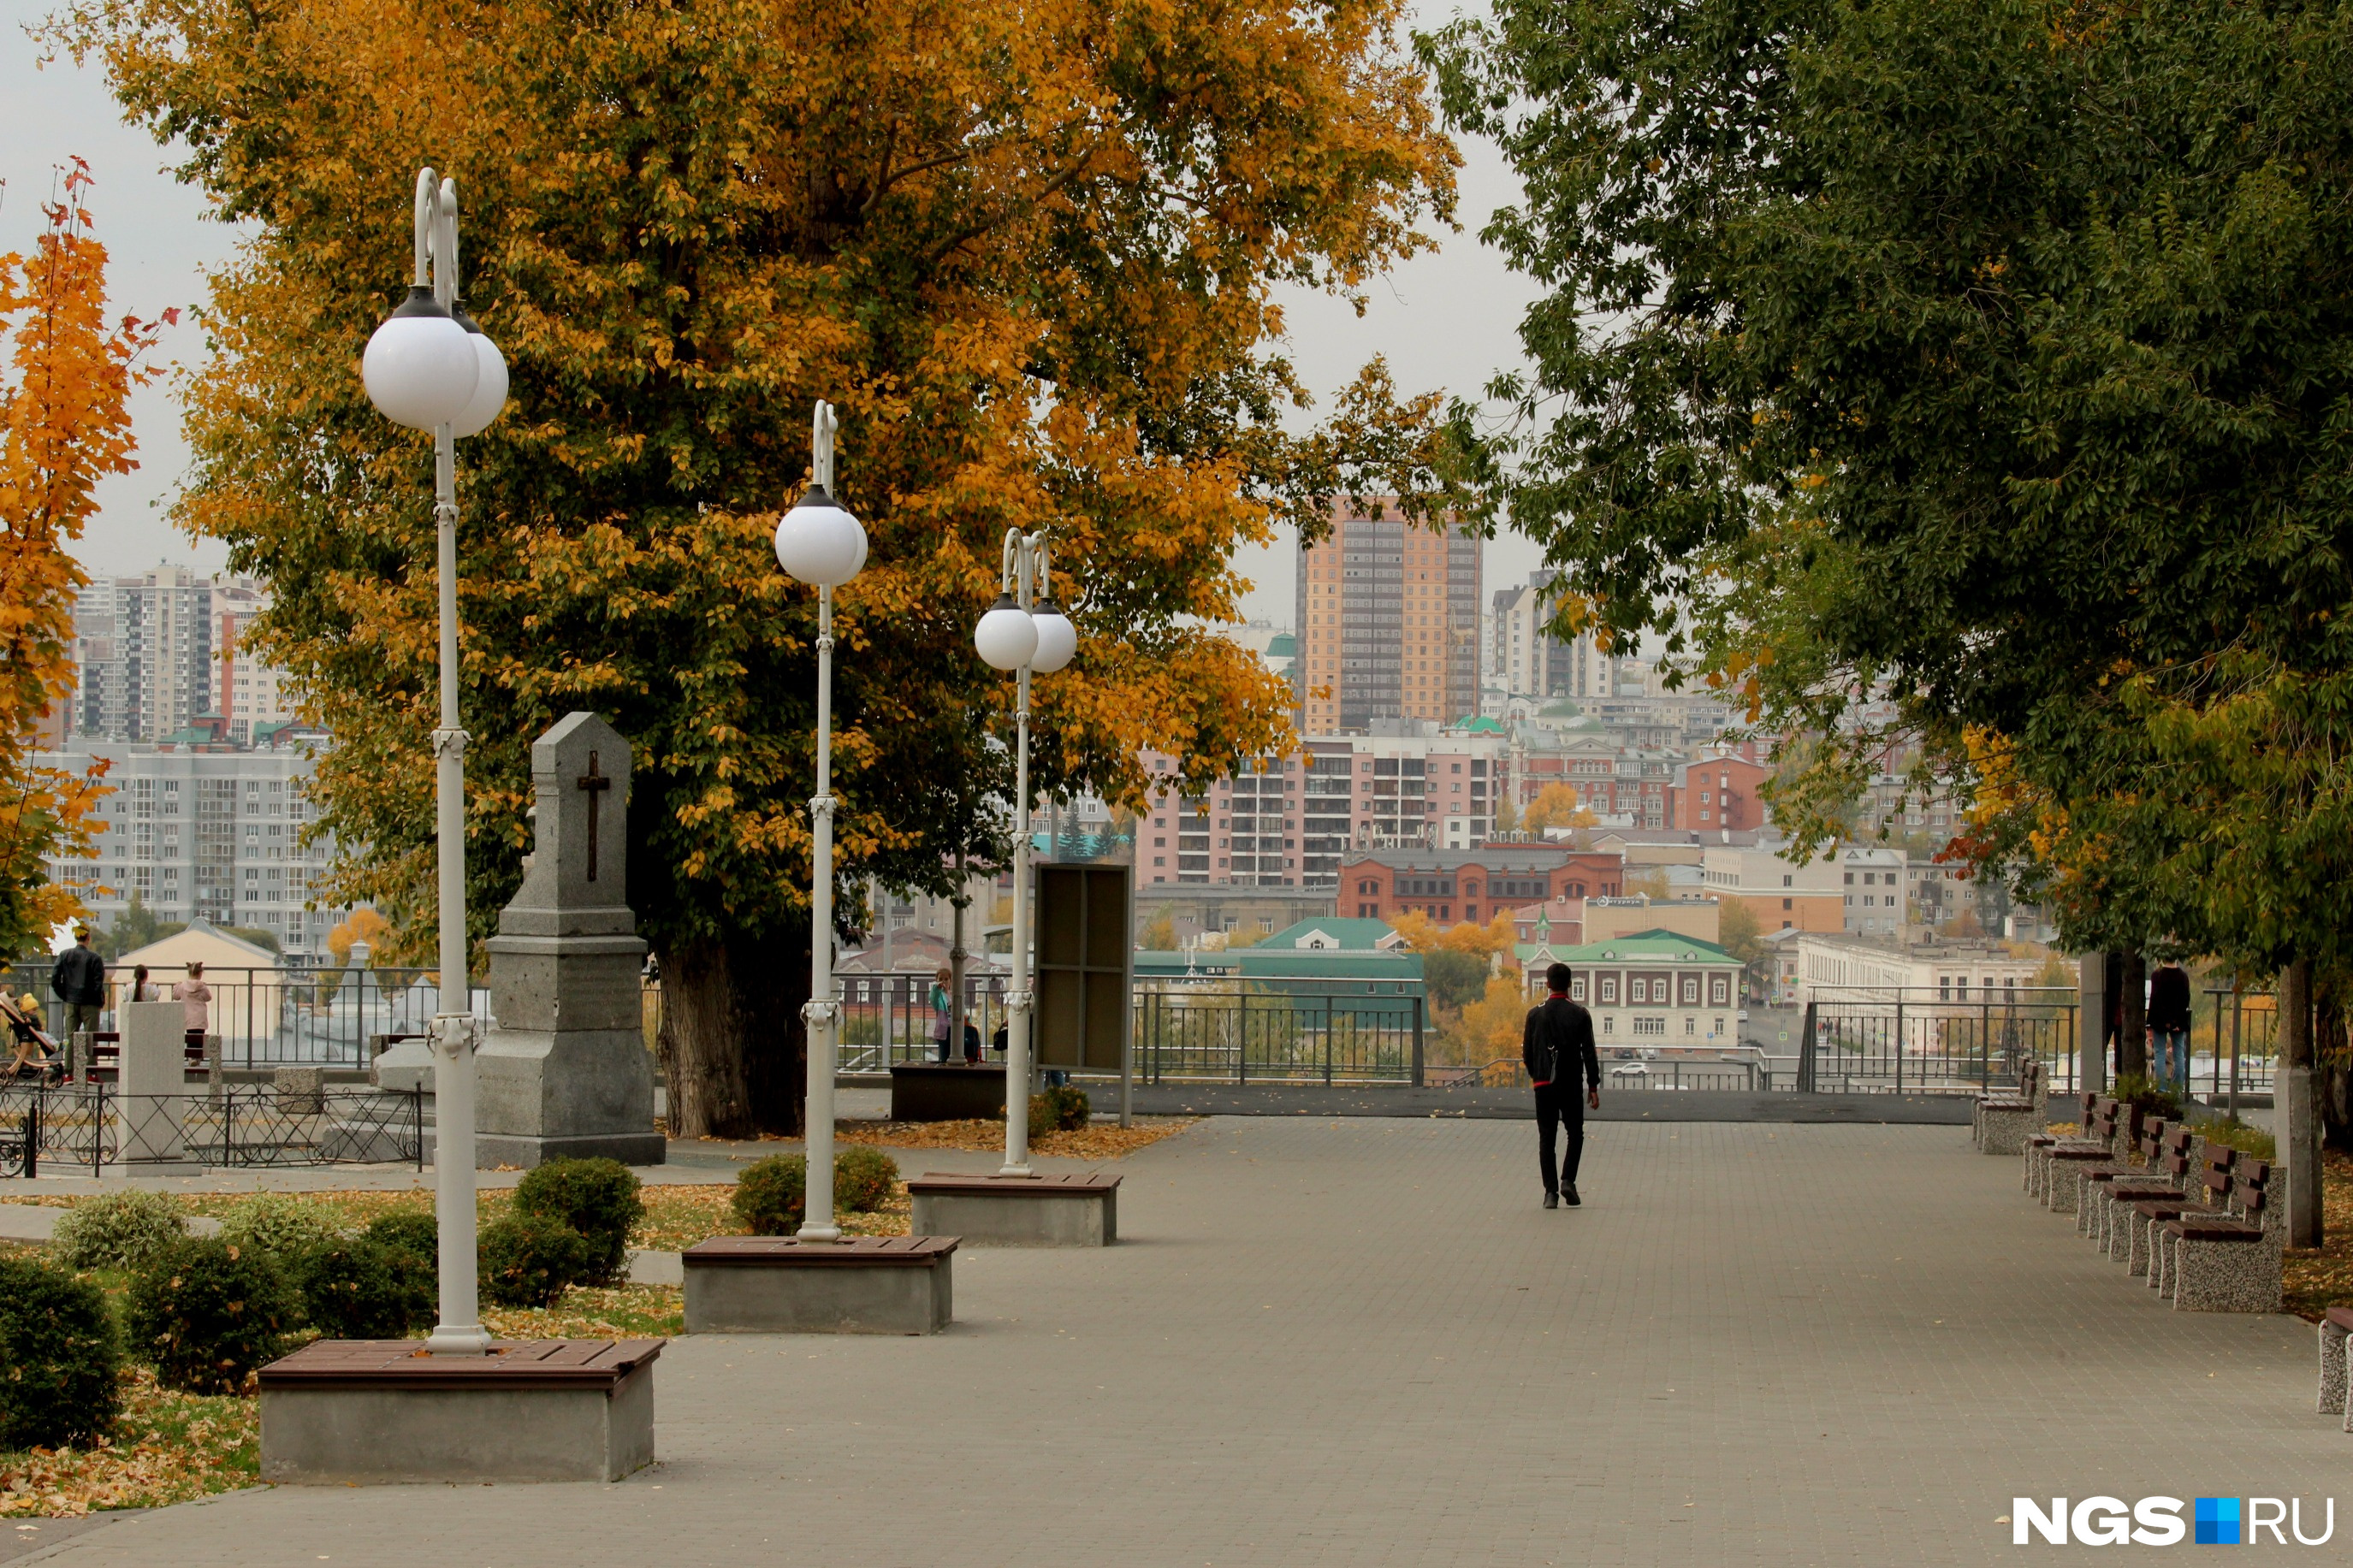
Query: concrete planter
[(1019, 1211), (376, 1412), (926, 1092), (782, 1285)]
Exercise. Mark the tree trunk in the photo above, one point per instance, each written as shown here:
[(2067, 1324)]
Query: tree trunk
[(2297, 1120), (2332, 1053), (2132, 1017), (733, 1042)]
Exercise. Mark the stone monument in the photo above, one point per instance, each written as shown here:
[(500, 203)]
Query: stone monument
[(563, 1070)]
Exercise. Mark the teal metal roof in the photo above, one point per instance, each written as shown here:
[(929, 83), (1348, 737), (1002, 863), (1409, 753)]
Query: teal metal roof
[(1354, 935), (1646, 947)]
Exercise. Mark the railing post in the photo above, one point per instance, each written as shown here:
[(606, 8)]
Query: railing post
[(416, 1115), (1806, 1065), (1417, 1063), (97, 1132), (1985, 1046), (33, 1134), (1899, 1043)]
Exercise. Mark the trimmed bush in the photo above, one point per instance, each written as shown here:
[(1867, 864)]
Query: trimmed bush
[(2148, 1096), (772, 1194), (289, 1227), (60, 1365), (1062, 1109), (527, 1259), (120, 1230), (359, 1289), (597, 1198), (207, 1312), (863, 1178), (411, 1235)]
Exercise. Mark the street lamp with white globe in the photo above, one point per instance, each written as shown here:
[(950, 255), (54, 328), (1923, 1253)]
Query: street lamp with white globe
[(820, 543), (1024, 630), (430, 368)]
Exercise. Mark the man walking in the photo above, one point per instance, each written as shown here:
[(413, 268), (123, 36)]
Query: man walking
[(79, 978), (2169, 1024), (1559, 1038)]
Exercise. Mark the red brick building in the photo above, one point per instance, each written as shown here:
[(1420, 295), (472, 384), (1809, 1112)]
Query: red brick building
[(1716, 793), (1452, 885)]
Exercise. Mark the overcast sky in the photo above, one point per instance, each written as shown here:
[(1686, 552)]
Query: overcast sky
[(1448, 320)]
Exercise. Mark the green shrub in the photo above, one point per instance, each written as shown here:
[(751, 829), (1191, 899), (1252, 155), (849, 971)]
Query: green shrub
[(1059, 1109), (863, 1179), (269, 1222), (527, 1259), (2238, 1135), (60, 1366), (2149, 1096), (120, 1230), (597, 1198), (207, 1312), (411, 1235), (356, 1288), (772, 1194)]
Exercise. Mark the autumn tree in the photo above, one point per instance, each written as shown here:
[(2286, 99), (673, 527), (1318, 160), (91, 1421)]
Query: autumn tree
[(1028, 253), (1556, 805), (64, 425)]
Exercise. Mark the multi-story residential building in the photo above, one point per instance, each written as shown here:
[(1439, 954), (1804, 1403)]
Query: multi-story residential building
[(1656, 988), (204, 829), (1783, 896), (1524, 659), (1718, 794), (1850, 967), (253, 695), (1452, 885), (1388, 625), (1873, 882), (156, 652)]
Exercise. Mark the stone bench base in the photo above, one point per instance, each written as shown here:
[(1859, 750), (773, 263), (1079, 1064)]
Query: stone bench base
[(782, 1285), (374, 1412), (1019, 1211), (2336, 1325), (953, 1092)]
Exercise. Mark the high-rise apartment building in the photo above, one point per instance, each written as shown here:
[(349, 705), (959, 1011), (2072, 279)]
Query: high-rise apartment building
[(157, 651), (1388, 624), (1524, 659)]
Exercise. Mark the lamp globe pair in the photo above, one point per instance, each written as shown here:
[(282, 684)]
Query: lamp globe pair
[(426, 366)]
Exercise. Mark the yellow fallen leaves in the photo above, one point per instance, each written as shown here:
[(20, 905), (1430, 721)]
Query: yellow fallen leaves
[(168, 1447), (1099, 1142)]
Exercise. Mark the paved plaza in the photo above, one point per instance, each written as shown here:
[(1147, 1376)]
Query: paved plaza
[(1363, 1342)]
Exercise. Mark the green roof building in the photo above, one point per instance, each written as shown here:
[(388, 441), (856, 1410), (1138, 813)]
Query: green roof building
[(1654, 988)]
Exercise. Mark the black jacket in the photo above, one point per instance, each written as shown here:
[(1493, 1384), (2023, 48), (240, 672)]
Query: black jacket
[(1557, 1034), (80, 978), (2169, 999)]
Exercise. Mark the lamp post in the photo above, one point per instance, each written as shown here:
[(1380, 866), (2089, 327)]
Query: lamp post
[(1022, 631), (430, 367), (819, 543)]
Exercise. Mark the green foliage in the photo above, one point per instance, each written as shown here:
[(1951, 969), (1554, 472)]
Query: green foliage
[(207, 1312), (597, 1198), (2239, 1135), (2148, 1096), (118, 1230), (359, 1289), (61, 1363), (286, 1227), (260, 936), (415, 1234), (863, 1178), (1059, 1109), (133, 928), (772, 1194), (528, 1259), (1455, 980)]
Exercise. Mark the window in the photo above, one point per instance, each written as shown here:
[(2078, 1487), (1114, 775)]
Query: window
[(1691, 1024), (1788, 904), (1608, 990), (1638, 990), (1577, 989), (1691, 990), (1719, 990), (1649, 1025)]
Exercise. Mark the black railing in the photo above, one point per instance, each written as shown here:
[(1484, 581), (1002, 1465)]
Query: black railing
[(1911, 1043), (1245, 1035), (89, 1127)]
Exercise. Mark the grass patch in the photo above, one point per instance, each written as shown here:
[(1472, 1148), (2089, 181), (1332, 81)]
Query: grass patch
[(168, 1447)]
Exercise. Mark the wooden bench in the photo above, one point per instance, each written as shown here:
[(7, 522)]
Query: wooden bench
[(2001, 1123), (1079, 1210), (2168, 1154), (2336, 1394), (2039, 1145), (781, 1284), (2186, 1159), (2066, 1160), (2095, 1211), (2228, 1262)]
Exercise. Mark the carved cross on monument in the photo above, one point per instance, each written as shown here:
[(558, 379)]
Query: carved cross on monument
[(595, 783)]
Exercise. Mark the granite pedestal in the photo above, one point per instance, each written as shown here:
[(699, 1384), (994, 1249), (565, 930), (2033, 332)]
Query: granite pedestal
[(930, 1092), (1019, 1211), (782, 1285), (368, 1412), (151, 1102)]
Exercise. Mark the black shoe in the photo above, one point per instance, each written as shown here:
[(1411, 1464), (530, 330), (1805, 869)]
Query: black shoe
[(1568, 1194), (1552, 1200)]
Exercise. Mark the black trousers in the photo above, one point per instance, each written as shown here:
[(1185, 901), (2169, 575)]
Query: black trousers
[(1560, 1107)]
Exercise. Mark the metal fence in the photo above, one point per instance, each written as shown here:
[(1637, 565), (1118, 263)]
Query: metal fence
[(1248, 1035), (1909, 1042), (887, 1018), (89, 1127), (263, 1017)]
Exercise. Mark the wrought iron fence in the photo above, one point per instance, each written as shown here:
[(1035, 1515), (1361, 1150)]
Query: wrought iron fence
[(887, 1018), (1900, 1041), (269, 1016), (88, 1127), (1247, 1035)]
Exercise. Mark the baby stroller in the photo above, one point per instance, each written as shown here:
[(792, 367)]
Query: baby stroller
[(37, 1055)]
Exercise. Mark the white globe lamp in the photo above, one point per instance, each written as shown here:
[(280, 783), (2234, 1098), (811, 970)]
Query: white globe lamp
[(819, 543), (1058, 639), (419, 368), (490, 397), (1007, 636)]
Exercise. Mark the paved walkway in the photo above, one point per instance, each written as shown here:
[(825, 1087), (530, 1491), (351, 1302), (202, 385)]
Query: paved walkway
[(1363, 1342)]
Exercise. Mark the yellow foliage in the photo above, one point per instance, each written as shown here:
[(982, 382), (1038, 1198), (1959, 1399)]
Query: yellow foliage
[(1423, 934), (365, 925), (1556, 805)]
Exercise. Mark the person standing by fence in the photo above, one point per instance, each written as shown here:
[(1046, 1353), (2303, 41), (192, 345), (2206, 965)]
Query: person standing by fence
[(2169, 1024), (80, 981), (194, 998), (1558, 1040), (941, 1004)]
